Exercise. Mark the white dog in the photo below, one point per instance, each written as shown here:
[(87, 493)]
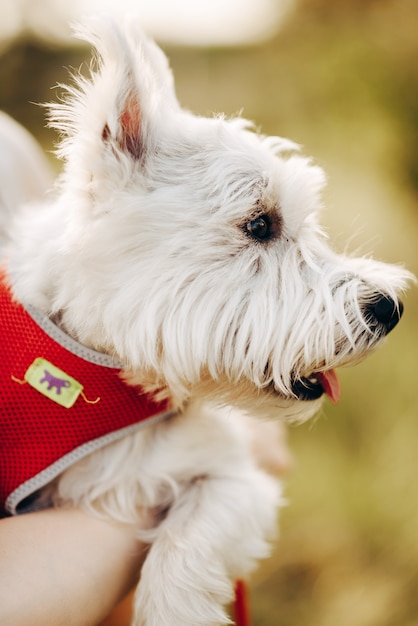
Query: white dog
[(186, 251)]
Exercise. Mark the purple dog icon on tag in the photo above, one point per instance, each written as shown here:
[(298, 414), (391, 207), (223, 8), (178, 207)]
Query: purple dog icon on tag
[(53, 381)]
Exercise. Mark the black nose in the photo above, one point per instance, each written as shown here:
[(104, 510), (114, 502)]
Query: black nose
[(386, 312)]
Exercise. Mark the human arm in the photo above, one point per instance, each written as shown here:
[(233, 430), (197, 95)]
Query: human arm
[(64, 567)]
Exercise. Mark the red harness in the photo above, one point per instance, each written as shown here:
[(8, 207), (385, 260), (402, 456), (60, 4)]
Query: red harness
[(40, 437)]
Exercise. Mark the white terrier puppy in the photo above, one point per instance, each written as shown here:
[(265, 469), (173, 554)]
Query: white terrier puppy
[(187, 252)]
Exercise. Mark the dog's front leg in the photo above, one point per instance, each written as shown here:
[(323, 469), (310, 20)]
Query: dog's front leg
[(214, 533)]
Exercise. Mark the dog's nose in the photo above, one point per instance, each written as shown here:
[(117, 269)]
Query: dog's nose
[(386, 311)]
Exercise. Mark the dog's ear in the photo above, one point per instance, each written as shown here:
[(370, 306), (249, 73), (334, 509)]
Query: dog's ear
[(138, 82), (119, 109)]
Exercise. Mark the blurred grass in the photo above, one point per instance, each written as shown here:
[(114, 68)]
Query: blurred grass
[(342, 79)]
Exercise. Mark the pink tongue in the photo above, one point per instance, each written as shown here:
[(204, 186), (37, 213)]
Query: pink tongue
[(330, 384)]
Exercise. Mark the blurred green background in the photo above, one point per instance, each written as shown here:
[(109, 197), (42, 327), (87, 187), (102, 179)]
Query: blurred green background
[(341, 78)]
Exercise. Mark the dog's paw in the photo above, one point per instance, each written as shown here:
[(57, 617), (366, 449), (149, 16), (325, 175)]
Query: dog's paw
[(214, 533), (166, 599)]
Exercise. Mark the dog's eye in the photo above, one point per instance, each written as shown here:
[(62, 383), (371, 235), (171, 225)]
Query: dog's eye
[(259, 227)]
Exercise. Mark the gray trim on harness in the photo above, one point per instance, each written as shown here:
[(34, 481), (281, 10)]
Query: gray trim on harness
[(67, 342), (44, 477)]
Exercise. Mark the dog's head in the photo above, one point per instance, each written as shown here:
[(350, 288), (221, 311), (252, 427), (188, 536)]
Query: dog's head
[(193, 248)]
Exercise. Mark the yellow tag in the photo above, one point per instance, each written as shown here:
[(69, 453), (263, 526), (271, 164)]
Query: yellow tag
[(53, 382)]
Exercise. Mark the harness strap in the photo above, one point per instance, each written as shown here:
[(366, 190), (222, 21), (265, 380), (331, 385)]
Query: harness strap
[(242, 604)]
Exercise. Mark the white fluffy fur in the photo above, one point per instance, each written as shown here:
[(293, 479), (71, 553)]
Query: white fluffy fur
[(146, 256)]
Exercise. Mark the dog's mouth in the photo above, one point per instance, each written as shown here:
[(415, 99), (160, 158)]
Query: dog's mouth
[(318, 383)]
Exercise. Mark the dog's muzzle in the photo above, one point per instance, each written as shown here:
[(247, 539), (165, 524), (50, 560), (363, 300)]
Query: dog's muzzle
[(381, 315)]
